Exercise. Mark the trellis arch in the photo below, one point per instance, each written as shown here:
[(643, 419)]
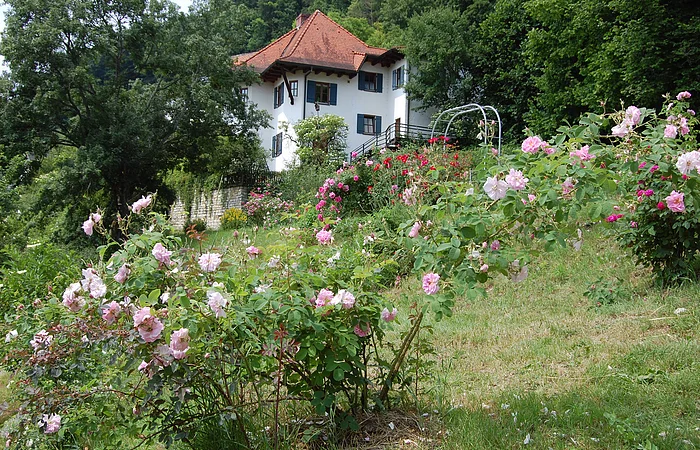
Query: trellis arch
[(453, 113)]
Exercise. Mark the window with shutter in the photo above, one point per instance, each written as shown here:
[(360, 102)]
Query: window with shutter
[(368, 124), (370, 81)]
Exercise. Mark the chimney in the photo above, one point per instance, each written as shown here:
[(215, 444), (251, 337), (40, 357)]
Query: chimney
[(301, 18)]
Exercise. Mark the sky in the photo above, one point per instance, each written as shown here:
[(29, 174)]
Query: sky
[(183, 4)]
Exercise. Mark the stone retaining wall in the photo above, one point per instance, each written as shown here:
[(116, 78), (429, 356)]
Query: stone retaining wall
[(208, 206)]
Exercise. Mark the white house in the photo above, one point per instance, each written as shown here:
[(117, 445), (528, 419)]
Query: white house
[(319, 64)]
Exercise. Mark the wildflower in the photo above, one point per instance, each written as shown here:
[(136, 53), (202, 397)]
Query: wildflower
[(122, 274), (516, 180), (209, 262), (613, 218), (369, 163), (253, 252), (217, 303), (355, 178), (653, 168), (51, 423), (415, 229), (324, 237), (684, 126), (140, 204), (387, 316), (495, 188), (148, 326), (430, 283), (532, 144), (683, 95), (660, 205), (531, 197), (111, 312), (675, 202), (161, 253), (484, 268), (633, 224), (180, 343), (496, 245)]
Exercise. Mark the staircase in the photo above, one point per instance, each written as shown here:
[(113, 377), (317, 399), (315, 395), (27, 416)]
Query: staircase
[(391, 138)]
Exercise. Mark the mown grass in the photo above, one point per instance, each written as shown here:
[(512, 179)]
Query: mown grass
[(539, 365)]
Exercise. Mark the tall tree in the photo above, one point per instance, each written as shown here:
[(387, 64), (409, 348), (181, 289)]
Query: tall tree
[(132, 86)]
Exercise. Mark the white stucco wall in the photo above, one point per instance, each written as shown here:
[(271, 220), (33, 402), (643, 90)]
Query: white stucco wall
[(351, 101)]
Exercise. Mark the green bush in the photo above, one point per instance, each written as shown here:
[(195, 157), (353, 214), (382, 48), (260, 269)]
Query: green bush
[(197, 225)]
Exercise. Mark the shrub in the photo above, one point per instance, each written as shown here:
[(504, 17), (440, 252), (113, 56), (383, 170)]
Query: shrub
[(233, 218), (198, 225), (267, 208)]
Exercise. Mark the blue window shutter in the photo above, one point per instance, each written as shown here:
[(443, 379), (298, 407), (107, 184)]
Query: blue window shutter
[(380, 82), (282, 93), (334, 94), (310, 91), (378, 125), (360, 124), (393, 80), (361, 80), (274, 145)]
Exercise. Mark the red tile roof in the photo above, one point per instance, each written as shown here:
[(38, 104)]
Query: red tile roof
[(321, 44)]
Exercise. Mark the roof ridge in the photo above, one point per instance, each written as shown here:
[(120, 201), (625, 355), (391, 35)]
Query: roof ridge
[(254, 54), (302, 31)]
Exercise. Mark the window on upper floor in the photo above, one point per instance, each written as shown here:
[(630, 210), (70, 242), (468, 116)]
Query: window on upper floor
[(294, 87), (370, 81), (398, 78), (369, 124), (277, 145), (278, 95), (244, 94), (321, 93)]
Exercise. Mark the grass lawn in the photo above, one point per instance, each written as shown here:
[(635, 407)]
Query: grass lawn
[(539, 365)]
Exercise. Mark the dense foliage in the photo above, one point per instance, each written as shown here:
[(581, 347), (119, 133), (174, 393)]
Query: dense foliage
[(104, 97)]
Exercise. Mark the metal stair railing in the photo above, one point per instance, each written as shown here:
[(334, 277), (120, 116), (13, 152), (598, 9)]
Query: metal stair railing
[(392, 135)]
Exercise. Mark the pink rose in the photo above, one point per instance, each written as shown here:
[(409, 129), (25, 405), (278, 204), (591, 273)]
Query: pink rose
[(87, 226), (683, 95), (148, 326), (516, 180), (388, 316), (430, 283), (217, 303), (324, 298), (209, 262), (532, 144), (253, 252), (675, 202), (415, 229), (324, 237), (180, 343), (111, 312), (161, 253), (670, 131), (140, 204), (51, 423), (122, 274)]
